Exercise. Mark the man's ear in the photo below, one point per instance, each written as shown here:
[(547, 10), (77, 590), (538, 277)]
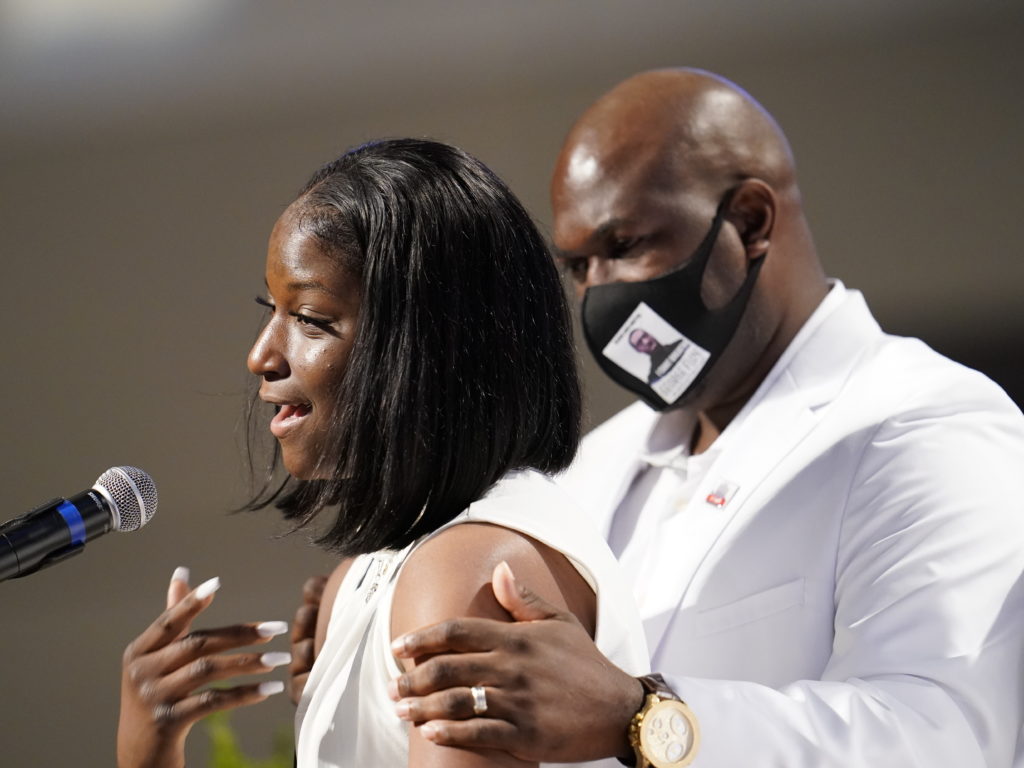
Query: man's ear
[(752, 211)]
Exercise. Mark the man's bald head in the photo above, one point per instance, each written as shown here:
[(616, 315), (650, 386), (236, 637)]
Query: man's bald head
[(636, 187), (703, 130)]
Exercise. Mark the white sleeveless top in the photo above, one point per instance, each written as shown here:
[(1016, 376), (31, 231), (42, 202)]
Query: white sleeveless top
[(345, 717)]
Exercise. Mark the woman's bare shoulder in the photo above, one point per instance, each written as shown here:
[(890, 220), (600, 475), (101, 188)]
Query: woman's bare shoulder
[(449, 576)]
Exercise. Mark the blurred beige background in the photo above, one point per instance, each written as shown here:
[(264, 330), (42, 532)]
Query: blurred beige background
[(146, 149)]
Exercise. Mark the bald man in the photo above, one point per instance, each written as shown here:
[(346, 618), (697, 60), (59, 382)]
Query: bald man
[(821, 523)]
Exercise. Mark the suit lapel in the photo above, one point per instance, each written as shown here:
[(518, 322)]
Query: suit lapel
[(790, 403), (608, 463)]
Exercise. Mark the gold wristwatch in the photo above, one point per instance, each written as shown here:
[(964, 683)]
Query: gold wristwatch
[(664, 732)]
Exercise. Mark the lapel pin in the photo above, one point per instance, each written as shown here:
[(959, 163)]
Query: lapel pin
[(722, 493)]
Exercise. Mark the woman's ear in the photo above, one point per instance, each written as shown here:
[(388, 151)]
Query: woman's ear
[(752, 211)]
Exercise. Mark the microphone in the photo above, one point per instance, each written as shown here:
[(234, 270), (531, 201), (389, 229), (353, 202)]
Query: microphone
[(122, 499)]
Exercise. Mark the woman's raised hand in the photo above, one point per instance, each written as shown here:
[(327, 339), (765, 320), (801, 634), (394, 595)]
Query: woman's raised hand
[(164, 671)]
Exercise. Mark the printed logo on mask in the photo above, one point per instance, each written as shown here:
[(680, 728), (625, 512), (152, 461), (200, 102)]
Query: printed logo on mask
[(649, 348)]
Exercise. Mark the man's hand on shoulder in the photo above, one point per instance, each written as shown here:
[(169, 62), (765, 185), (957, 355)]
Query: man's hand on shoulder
[(551, 695)]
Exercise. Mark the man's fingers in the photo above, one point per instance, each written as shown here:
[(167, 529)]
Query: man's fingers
[(519, 601), (477, 635), (298, 671), (477, 733), (313, 589), (452, 704), (173, 622), (462, 635), (441, 672), (303, 634), (304, 623), (296, 684), (302, 657)]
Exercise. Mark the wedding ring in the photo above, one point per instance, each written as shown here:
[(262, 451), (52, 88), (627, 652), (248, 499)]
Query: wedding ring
[(479, 699)]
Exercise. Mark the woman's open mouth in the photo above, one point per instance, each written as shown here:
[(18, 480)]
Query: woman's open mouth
[(288, 417)]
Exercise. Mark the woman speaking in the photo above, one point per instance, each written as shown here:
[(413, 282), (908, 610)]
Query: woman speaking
[(417, 358)]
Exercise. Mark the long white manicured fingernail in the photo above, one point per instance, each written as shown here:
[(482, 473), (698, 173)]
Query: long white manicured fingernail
[(271, 628), (275, 659), (181, 573), (207, 588), (270, 687)]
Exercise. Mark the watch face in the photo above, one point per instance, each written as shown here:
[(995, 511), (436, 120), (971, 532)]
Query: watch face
[(667, 735)]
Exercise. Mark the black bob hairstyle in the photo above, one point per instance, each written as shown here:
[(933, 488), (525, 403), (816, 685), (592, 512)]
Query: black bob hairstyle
[(462, 367)]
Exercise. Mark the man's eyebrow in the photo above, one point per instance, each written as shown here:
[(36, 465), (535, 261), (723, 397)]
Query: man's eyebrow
[(608, 228), (604, 233)]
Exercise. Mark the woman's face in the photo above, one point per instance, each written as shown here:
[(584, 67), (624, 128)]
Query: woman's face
[(302, 352)]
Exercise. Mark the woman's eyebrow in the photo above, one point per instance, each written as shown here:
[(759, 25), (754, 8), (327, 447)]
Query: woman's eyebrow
[(308, 285)]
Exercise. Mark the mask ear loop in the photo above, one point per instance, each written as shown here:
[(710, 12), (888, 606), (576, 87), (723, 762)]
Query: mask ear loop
[(707, 244)]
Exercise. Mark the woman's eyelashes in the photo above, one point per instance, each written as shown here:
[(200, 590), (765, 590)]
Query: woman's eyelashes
[(310, 321), (314, 322)]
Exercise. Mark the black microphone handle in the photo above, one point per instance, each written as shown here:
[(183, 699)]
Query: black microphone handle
[(51, 532)]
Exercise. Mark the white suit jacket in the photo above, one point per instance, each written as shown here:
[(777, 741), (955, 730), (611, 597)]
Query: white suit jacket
[(858, 600)]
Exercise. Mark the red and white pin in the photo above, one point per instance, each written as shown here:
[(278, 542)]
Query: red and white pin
[(722, 494)]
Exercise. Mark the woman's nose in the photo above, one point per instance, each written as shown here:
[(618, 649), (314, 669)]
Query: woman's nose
[(266, 357)]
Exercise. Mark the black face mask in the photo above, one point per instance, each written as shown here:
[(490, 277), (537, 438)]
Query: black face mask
[(656, 337)]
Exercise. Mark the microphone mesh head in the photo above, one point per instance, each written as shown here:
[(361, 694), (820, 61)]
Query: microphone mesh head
[(132, 494)]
